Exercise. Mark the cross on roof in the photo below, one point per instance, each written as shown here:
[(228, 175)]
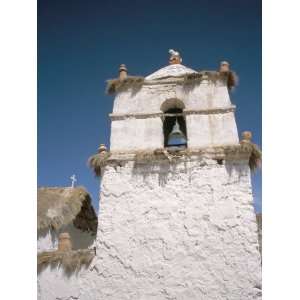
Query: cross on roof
[(73, 178)]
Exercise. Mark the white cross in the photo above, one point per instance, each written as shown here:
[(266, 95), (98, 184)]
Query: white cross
[(73, 178)]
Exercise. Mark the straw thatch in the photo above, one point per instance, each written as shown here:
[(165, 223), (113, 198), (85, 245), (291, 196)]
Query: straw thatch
[(230, 77), (58, 206), (192, 78), (114, 85), (169, 153), (232, 80), (97, 161), (70, 260), (255, 155)]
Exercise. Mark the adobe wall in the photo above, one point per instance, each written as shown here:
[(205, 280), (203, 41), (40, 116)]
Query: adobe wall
[(138, 115), (184, 230)]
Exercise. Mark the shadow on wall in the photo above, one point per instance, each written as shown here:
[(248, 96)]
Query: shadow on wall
[(166, 169), (240, 169)]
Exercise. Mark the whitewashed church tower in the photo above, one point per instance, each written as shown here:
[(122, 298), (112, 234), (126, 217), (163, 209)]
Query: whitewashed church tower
[(176, 216)]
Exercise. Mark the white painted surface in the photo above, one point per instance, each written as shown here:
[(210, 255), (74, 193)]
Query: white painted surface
[(179, 231), (133, 131), (211, 130), (150, 97), (47, 240), (170, 71)]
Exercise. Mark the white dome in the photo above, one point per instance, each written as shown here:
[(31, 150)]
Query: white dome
[(170, 71)]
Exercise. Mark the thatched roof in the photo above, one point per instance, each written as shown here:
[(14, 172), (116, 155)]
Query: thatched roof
[(71, 260), (189, 78), (229, 77), (59, 206), (98, 161), (114, 85), (255, 155)]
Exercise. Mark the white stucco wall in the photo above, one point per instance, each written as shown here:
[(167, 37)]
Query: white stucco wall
[(169, 231), (211, 130), (131, 133), (47, 240), (150, 97), (137, 115)]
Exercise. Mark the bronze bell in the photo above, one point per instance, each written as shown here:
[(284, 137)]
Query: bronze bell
[(176, 136)]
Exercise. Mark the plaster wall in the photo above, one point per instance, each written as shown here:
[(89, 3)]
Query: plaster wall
[(150, 97), (137, 116), (211, 130), (183, 230), (47, 240), (134, 133), (147, 133)]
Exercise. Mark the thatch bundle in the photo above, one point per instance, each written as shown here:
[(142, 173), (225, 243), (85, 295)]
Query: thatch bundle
[(57, 207), (232, 80), (255, 155), (149, 155), (229, 77), (70, 260), (97, 161), (192, 78), (114, 85)]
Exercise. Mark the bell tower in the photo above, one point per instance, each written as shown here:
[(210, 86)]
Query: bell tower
[(176, 216)]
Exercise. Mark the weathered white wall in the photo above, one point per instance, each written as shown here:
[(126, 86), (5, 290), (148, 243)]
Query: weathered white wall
[(47, 240), (150, 97), (137, 123), (211, 130), (169, 231), (131, 133)]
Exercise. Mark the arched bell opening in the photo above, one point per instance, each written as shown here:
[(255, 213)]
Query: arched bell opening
[(174, 128)]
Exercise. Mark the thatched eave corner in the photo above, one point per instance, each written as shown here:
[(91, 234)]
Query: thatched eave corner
[(115, 85), (230, 77), (97, 161), (255, 157)]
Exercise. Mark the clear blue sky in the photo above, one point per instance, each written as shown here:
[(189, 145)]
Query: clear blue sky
[(82, 43)]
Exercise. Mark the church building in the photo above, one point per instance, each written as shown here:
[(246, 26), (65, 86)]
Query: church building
[(176, 218)]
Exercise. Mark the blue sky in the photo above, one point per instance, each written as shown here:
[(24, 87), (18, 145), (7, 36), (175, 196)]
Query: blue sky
[(82, 43)]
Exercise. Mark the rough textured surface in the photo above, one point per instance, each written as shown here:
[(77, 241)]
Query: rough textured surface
[(170, 231)]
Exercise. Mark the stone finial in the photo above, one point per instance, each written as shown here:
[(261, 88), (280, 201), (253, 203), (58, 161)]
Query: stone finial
[(102, 148), (175, 57), (247, 136), (64, 242), (122, 72), (224, 67)]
